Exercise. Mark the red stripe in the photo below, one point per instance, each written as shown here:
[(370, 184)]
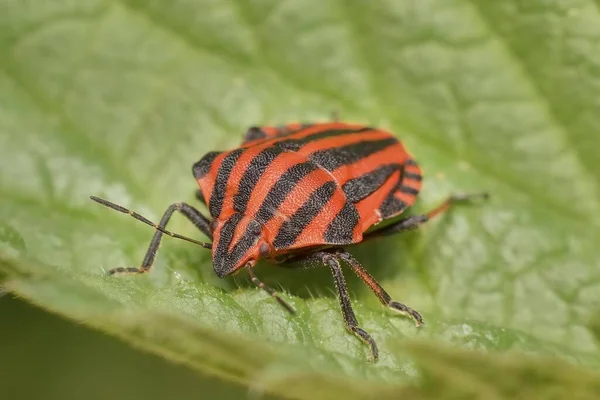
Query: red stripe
[(342, 140), (368, 164), (207, 182), (313, 232), (368, 207), (239, 232), (295, 200), (270, 177)]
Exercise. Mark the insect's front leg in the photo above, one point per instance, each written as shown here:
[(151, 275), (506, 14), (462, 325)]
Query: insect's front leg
[(267, 289), (199, 220)]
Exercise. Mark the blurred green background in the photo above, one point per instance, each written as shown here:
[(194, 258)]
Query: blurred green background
[(46, 356)]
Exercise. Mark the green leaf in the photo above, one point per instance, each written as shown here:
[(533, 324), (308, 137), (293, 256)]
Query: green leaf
[(119, 99), (448, 373)]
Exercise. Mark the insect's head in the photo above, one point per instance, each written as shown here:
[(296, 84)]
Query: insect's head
[(238, 240)]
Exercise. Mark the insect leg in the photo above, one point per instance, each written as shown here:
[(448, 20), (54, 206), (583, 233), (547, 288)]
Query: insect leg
[(383, 296), (330, 259), (267, 289), (415, 221), (190, 212)]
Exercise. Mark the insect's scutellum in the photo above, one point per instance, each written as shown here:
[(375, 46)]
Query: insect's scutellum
[(299, 193)]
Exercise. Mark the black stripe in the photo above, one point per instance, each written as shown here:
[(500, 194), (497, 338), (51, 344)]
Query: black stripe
[(332, 159), (297, 144), (243, 245), (202, 167), (358, 188), (293, 227), (410, 161), (413, 176), (391, 205), (254, 133), (225, 238), (325, 129), (285, 184), (252, 176), (340, 230), (257, 133), (216, 200), (408, 190)]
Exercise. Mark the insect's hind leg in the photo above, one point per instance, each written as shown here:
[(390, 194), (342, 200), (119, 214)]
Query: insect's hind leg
[(199, 220), (331, 260), (383, 296), (415, 221)]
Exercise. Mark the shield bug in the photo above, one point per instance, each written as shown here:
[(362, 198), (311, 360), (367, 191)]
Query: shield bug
[(299, 194)]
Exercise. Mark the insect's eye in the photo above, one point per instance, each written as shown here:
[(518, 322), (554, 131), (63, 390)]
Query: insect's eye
[(264, 250), (213, 225)]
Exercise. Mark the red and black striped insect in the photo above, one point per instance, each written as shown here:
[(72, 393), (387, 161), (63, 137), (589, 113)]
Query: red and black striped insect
[(297, 194)]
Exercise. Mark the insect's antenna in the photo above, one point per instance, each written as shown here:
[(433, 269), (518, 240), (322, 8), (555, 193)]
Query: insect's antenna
[(145, 220)]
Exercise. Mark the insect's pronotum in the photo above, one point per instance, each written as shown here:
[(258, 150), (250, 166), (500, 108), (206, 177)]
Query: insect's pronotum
[(298, 194)]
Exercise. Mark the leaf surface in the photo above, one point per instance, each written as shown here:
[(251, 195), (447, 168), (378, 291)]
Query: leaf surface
[(118, 99)]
